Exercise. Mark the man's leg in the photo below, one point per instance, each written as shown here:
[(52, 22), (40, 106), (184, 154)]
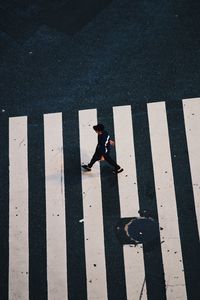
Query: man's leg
[(95, 158), (111, 161)]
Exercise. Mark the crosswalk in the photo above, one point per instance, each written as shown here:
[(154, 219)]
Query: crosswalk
[(92, 212), (166, 202), (55, 207), (18, 214), (56, 198), (128, 195), (192, 121)]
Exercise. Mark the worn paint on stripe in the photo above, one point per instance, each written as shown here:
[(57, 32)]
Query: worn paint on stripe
[(18, 210), (128, 196), (55, 207), (191, 108), (166, 202), (92, 210)]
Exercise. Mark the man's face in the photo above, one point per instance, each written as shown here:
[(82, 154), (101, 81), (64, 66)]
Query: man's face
[(98, 132)]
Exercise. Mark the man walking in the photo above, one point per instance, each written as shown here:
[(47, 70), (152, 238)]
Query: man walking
[(102, 150)]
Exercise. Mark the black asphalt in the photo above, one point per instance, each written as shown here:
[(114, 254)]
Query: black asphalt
[(64, 56)]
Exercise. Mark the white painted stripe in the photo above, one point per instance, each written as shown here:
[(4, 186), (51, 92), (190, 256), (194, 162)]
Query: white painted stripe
[(55, 207), (18, 210), (92, 209), (166, 202), (191, 108), (128, 196)]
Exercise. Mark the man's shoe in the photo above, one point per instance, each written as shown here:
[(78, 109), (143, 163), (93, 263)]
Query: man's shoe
[(85, 167), (118, 171)]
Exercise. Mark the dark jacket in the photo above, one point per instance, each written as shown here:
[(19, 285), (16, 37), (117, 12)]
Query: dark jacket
[(103, 146)]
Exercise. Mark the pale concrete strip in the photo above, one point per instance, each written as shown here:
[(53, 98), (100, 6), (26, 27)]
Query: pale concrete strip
[(128, 196), (18, 210), (191, 108), (92, 210), (55, 208), (166, 202)]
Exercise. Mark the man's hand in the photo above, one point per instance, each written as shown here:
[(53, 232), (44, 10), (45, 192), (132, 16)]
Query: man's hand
[(112, 142)]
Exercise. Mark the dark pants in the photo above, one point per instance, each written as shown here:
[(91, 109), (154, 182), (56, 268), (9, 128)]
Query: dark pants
[(97, 156)]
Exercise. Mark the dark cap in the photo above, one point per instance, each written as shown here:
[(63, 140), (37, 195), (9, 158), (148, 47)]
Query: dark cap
[(98, 127)]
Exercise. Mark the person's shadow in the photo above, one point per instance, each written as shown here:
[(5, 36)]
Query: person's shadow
[(67, 16)]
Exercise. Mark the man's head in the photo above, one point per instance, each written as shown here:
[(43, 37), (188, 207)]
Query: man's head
[(99, 128)]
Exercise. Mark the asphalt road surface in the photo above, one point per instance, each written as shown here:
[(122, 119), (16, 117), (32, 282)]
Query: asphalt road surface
[(135, 67)]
